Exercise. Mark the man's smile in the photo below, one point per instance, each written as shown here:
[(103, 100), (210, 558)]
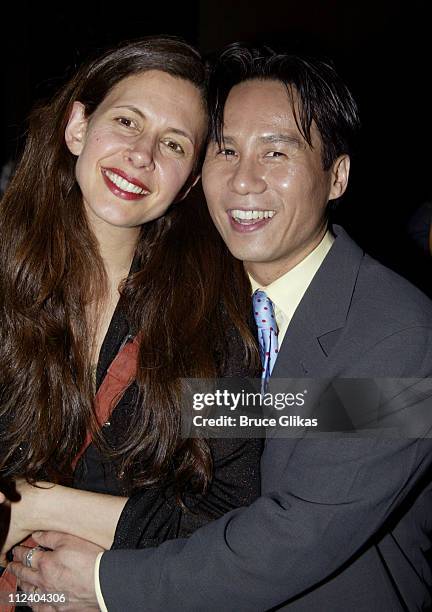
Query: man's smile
[(246, 221)]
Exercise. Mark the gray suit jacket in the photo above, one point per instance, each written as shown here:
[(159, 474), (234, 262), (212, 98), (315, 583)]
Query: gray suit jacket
[(341, 524)]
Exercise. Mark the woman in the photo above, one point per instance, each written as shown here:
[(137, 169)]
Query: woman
[(92, 264)]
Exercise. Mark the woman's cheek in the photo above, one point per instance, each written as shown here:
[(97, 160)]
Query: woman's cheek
[(175, 174)]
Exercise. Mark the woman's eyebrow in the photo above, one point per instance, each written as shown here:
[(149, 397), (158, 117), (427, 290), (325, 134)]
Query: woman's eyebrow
[(181, 133), (170, 129), (131, 108)]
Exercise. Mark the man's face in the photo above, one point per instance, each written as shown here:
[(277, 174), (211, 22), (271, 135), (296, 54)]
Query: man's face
[(266, 188)]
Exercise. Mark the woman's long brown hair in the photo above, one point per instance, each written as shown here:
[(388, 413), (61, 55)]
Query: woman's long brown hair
[(51, 271)]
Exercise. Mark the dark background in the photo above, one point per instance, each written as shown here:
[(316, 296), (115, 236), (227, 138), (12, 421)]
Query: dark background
[(381, 48)]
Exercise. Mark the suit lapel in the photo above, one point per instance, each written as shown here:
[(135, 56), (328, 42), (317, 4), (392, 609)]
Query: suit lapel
[(322, 312)]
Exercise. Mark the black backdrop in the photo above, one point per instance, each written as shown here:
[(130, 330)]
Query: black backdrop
[(381, 48)]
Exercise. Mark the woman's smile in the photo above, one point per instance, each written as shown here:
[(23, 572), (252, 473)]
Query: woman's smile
[(123, 186)]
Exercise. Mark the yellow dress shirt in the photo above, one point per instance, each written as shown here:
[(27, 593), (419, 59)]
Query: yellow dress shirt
[(98, 590), (287, 291)]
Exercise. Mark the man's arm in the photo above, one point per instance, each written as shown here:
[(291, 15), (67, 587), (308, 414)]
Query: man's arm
[(284, 543), (253, 558), (333, 496)]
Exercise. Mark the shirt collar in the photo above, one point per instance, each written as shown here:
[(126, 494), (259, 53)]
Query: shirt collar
[(287, 291)]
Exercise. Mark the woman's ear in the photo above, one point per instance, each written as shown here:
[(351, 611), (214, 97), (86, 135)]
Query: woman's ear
[(76, 129)]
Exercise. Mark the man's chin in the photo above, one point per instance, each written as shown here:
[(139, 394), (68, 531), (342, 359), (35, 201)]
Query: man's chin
[(246, 256), (247, 249)]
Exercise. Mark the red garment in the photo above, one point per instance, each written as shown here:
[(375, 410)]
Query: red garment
[(119, 376)]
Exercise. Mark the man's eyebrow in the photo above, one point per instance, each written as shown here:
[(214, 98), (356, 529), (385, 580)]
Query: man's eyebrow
[(227, 140), (269, 139), (170, 129), (286, 138)]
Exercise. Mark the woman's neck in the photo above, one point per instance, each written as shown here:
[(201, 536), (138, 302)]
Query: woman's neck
[(116, 247)]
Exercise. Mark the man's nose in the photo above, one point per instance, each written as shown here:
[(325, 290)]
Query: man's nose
[(248, 177)]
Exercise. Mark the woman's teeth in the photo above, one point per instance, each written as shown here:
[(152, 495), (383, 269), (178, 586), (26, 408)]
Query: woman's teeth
[(123, 184), (250, 216)]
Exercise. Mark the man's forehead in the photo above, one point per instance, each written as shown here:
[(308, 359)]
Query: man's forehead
[(266, 110), (262, 108), (270, 92)]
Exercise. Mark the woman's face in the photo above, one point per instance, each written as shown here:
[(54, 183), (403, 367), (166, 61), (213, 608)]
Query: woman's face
[(137, 149)]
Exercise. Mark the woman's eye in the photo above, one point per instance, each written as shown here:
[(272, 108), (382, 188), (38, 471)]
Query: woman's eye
[(125, 121), (174, 146)]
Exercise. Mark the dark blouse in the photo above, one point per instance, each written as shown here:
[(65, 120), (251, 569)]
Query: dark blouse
[(152, 515)]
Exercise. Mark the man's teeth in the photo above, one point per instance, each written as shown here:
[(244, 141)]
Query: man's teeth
[(242, 216), (123, 184)]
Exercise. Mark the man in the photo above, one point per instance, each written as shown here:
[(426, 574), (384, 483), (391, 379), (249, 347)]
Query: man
[(342, 523)]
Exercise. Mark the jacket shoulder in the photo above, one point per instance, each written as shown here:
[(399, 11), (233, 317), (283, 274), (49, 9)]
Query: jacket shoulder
[(393, 300)]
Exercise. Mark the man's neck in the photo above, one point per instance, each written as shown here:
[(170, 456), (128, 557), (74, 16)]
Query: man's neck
[(267, 272)]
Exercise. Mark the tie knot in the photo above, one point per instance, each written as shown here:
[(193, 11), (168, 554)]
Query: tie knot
[(264, 311)]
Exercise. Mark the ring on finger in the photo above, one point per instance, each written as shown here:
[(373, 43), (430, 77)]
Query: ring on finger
[(28, 558)]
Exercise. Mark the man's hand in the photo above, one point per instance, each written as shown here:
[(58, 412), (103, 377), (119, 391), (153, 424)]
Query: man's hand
[(68, 568), (2, 498)]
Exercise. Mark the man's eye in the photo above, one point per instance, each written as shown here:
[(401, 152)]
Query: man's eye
[(226, 152), (174, 146), (275, 154)]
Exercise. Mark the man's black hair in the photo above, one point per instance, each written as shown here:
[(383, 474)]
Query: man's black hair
[(322, 96)]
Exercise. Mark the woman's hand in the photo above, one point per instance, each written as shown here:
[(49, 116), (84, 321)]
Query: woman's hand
[(20, 513), (4, 522)]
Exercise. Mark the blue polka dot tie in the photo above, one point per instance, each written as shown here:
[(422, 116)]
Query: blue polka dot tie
[(267, 334)]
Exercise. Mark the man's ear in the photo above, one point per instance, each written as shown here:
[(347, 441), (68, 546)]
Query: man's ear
[(191, 182), (339, 177), (76, 128)]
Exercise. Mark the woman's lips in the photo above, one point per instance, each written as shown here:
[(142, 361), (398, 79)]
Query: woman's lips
[(124, 186)]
